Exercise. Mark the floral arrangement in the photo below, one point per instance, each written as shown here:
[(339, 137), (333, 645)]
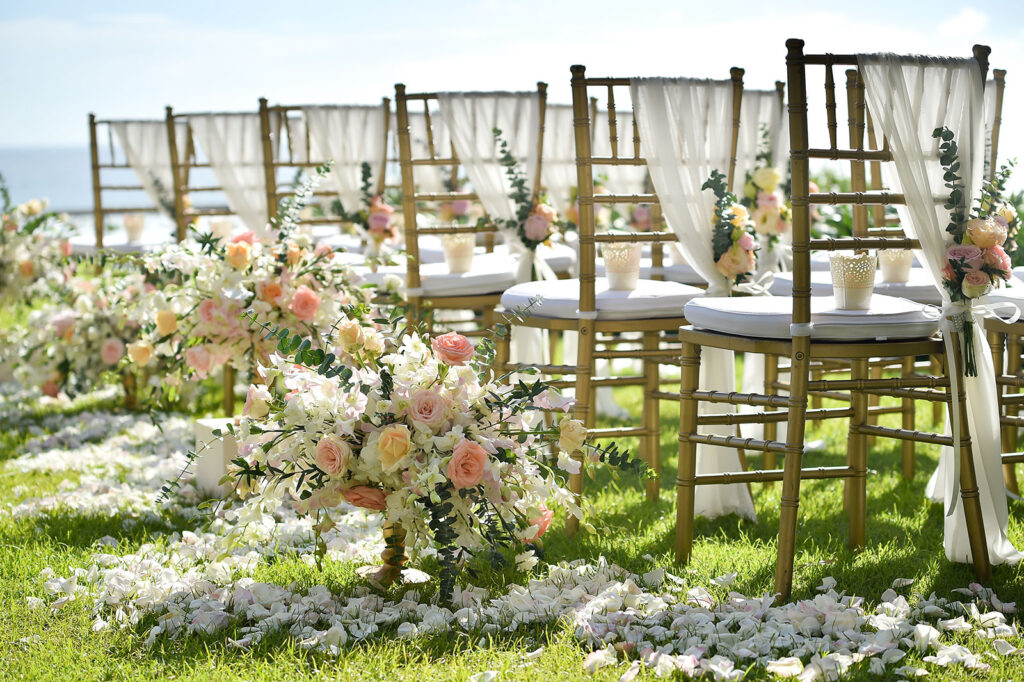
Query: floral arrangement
[(33, 244), (641, 218), (733, 242), (375, 215), (764, 198), (535, 221), (977, 259), (418, 429)]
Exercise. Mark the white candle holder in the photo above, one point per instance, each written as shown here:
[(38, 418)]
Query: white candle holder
[(853, 280), (134, 223), (622, 264), (895, 264), (213, 455), (221, 228), (458, 251)]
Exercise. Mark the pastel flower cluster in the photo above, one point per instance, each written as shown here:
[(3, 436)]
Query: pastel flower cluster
[(33, 242), (771, 213), (733, 240)]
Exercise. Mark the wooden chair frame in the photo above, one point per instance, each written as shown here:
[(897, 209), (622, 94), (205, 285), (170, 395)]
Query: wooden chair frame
[(484, 304), (587, 325), (803, 350), (99, 211)]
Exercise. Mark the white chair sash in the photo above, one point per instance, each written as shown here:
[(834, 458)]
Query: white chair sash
[(349, 136), (146, 150)]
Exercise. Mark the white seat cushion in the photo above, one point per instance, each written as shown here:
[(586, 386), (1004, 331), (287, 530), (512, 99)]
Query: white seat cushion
[(492, 273), (770, 317), (561, 299), (918, 287), (1012, 292), (682, 273)]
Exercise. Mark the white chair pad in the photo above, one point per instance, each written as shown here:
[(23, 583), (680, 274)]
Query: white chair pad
[(561, 299), (770, 317), (1012, 292), (917, 288), (682, 273), (492, 273)]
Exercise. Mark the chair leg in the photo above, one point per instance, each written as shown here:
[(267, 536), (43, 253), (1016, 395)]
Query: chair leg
[(819, 374), (938, 409), (687, 467), (651, 416), (502, 345), (229, 390), (1013, 350), (907, 411), (771, 429), (583, 409), (858, 458), (790, 502)]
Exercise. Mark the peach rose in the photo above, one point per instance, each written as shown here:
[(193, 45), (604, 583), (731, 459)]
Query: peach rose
[(26, 268), (547, 212), (249, 237), (428, 408), (65, 248), (269, 291), (50, 388), (976, 283), (350, 336), (207, 310), (332, 455), (466, 467), (996, 258), (199, 359), (295, 254), (543, 522), (304, 304), (366, 497), (735, 262), (140, 352), (452, 349), (112, 351), (166, 322), (393, 444), (948, 272), (986, 232), (238, 254)]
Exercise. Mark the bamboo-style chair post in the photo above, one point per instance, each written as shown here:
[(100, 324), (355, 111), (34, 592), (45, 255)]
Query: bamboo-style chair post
[(178, 176), (97, 192), (1000, 79), (736, 74), (381, 178), (412, 248), (229, 390), (686, 477), (269, 167), (1013, 367), (542, 97), (857, 459)]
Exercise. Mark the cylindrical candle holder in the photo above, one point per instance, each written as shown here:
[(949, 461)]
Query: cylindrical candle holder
[(895, 264), (458, 251), (853, 280), (134, 223), (221, 228), (622, 264)]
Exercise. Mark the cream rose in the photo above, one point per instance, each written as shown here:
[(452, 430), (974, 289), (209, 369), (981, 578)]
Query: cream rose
[(767, 178), (350, 335), (140, 352), (571, 434), (986, 232), (976, 283), (257, 402), (428, 408)]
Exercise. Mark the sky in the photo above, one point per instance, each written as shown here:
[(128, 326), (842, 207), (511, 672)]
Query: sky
[(60, 60)]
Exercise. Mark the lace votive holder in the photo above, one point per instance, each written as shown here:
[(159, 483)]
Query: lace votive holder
[(895, 264), (853, 280), (134, 223), (221, 228), (458, 251), (622, 264)]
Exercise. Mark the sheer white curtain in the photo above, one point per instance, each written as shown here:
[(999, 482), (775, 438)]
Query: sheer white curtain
[(232, 145), (685, 133), (909, 97), (428, 178), (558, 171), (146, 150), (350, 136), (295, 127), (621, 179)]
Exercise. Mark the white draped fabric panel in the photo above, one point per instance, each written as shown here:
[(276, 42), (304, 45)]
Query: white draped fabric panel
[(296, 149), (147, 152), (428, 178), (685, 127), (909, 97), (621, 179), (558, 170), (232, 145), (350, 136)]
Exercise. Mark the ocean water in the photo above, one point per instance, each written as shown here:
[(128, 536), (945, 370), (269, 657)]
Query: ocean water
[(60, 174)]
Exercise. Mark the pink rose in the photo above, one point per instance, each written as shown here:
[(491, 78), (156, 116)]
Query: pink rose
[(546, 212), (452, 349), (971, 255), (207, 310), (428, 408), (112, 351), (460, 207), (745, 241), (366, 497), (65, 248), (767, 200), (948, 272), (378, 222), (332, 455), (304, 304), (466, 467), (199, 359), (323, 250), (976, 283), (543, 522), (247, 236), (537, 228), (50, 388), (641, 218), (997, 258)]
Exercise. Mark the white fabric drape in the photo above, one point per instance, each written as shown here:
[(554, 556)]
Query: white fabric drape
[(350, 136), (232, 145), (909, 97), (558, 171), (295, 127), (147, 151), (685, 133), (428, 178), (621, 179)]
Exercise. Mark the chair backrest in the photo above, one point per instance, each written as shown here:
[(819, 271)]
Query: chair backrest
[(615, 153), (129, 145), (231, 164), (413, 156), (311, 135), (878, 237)]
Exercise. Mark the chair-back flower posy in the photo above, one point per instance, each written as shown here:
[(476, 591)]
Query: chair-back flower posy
[(733, 240)]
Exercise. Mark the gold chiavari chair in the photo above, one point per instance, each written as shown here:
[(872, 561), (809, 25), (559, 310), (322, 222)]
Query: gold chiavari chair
[(733, 323), (300, 152), (586, 306), (117, 163), (430, 287)]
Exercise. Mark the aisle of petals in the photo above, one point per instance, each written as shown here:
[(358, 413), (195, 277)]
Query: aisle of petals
[(657, 621)]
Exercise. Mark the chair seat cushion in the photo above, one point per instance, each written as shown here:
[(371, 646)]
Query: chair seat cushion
[(561, 299), (682, 273), (492, 273), (918, 287), (770, 317), (1012, 292)]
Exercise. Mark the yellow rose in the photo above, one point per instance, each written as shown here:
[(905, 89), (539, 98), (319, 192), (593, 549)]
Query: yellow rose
[(238, 254), (166, 322), (350, 336), (740, 216), (394, 444), (571, 434), (986, 233), (141, 352), (33, 207), (1007, 212), (25, 268), (767, 178)]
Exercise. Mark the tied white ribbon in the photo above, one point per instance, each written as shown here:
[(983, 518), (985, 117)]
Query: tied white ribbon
[(760, 286), (950, 311)]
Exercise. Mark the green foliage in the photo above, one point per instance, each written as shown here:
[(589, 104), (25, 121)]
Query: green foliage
[(288, 210), (521, 194), (956, 203)]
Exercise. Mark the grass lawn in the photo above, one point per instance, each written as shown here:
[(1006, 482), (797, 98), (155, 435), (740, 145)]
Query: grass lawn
[(904, 541)]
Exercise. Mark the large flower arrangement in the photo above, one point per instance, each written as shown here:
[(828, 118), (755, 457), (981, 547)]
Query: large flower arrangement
[(733, 242), (976, 260), (33, 244), (418, 429)]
